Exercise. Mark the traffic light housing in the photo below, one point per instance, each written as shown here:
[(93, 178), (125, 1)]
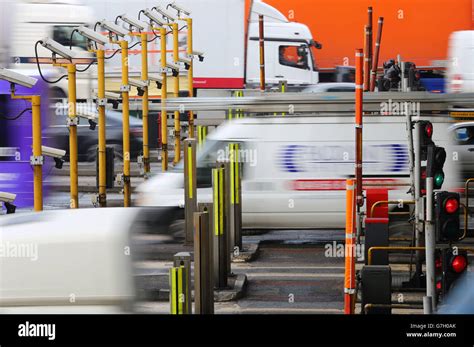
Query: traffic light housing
[(454, 264), (447, 206), (425, 129), (436, 157)]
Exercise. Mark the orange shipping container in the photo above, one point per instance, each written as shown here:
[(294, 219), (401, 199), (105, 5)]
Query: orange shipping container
[(418, 30)]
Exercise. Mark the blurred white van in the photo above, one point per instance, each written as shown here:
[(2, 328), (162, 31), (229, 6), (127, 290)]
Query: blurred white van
[(24, 22), (295, 167), (460, 69)]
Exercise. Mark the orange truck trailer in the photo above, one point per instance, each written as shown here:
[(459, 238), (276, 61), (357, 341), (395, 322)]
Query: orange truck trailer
[(418, 30)]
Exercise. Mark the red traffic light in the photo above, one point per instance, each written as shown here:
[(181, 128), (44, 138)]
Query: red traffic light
[(451, 205), (459, 264), (429, 129)]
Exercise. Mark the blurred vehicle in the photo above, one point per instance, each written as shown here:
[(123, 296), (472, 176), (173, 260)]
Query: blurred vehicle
[(460, 70), (330, 88), (463, 135), (58, 135), (28, 21), (460, 299), (295, 168), (67, 261)]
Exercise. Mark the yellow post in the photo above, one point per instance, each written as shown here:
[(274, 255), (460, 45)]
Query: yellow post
[(126, 125), (177, 123), (146, 148), (71, 71), (37, 161), (164, 92), (102, 125), (37, 153), (189, 22)]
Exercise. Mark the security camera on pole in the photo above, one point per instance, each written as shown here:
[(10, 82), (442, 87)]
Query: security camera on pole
[(159, 23), (58, 49), (36, 159), (102, 40), (120, 33), (185, 15), (142, 85)]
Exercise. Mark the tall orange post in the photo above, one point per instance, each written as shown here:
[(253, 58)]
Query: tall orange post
[(349, 273), (375, 62), (358, 127), (369, 43)]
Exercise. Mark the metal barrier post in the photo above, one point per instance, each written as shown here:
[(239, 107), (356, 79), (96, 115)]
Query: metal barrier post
[(177, 290), (190, 190), (202, 134), (419, 215), (430, 244), (234, 177), (203, 279), (349, 281), (183, 259), (221, 245)]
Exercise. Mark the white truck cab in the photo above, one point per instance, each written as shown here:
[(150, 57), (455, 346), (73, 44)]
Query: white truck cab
[(288, 49)]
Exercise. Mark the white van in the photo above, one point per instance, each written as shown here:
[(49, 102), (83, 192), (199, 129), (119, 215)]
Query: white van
[(295, 167), (460, 70)]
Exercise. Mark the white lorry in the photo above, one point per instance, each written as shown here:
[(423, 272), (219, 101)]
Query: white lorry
[(295, 167), (24, 22), (227, 33)]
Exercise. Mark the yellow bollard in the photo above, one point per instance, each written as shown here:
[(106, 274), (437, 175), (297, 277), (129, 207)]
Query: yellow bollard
[(125, 89), (177, 290), (202, 134)]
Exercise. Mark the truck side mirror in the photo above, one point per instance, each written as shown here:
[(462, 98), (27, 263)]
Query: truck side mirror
[(316, 44)]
